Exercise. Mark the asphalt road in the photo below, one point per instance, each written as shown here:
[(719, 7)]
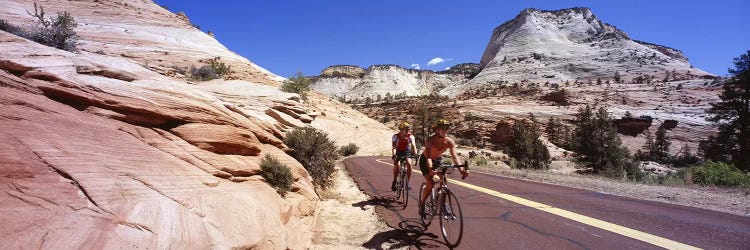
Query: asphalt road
[(506, 213)]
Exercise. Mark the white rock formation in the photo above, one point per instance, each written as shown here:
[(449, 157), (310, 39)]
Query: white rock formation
[(352, 82), (570, 45)]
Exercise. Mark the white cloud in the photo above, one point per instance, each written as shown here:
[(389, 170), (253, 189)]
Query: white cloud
[(435, 60), (415, 65), (447, 68)]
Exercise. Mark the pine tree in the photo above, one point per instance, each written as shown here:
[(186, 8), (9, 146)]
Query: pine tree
[(661, 145), (599, 146), (732, 114), (526, 147)]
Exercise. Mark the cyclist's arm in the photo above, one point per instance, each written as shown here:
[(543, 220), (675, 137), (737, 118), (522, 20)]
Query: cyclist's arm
[(464, 172), (393, 145), (427, 153), (413, 146), (452, 147)]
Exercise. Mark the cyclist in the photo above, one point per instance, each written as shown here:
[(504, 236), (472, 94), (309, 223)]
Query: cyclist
[(402, 146), (434, 147)]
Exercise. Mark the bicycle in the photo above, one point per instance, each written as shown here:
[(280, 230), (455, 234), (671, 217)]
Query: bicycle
[(444, 203), (402, 181)]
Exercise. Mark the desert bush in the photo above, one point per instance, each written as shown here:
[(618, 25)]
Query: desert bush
[(297, 84), (276, 174), (349, 149), (315, 151), (218, 66), (204, 73), (559, 97), (480, 162), (719, 174), (54, 31)]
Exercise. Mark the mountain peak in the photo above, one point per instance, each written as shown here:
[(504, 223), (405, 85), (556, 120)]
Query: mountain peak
[(568, 45)]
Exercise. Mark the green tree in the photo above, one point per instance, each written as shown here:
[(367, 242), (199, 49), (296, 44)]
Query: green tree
[(598, 145), (57, 32), (297, 84), (661, 145), (732, 114), (525, 146)]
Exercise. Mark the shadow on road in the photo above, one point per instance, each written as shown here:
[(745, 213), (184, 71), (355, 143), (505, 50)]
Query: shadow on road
[(410, 233), (387, 202)]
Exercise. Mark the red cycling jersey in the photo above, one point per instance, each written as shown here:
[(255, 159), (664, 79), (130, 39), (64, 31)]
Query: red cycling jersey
[(402, 144)]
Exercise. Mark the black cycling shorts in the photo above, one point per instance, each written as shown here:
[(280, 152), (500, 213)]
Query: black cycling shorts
[(405, 153), (423, 164)]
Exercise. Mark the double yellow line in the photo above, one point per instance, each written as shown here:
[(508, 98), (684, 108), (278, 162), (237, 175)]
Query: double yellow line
[(629, 232)]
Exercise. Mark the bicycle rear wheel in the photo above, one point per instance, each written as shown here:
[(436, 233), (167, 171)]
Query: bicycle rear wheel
[(426, 210), (451, 218), (404, 188)]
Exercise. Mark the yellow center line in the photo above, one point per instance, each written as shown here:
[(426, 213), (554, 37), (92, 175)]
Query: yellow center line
[(629, 232)]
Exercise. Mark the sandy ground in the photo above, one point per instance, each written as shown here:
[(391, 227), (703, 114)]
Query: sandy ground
[(345, 219)]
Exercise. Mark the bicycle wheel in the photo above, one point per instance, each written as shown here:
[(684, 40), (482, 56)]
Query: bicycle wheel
[(398, 186), (404, 188), (451, 218), (427, 210)]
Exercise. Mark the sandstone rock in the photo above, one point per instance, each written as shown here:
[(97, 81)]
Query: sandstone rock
[(100, 151), (220, 139)]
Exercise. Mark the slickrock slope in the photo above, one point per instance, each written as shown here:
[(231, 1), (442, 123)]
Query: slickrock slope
[(571, 45), (102, 150), (353, 82)]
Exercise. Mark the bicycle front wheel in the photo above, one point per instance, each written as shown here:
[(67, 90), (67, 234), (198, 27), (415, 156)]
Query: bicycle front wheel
[(451, 218), (404, 188), (426, 210)]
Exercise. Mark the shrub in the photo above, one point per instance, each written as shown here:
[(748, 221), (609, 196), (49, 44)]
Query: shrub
[(297, 84), (719, 174), (276, 174), (315, 151), (55, 31), (349, 149), (559, 97), (219, 67), (204, 73)]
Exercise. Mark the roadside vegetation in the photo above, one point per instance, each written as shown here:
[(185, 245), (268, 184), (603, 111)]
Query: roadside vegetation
[(315, 151)]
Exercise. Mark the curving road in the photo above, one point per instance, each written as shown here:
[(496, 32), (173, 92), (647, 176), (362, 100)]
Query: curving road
[(506, 213)]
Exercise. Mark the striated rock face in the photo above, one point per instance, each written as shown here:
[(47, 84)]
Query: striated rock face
[(348, 71), (104, 151), (352, 82), (570, 45)]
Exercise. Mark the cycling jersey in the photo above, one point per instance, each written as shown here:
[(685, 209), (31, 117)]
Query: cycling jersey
[(403, 144)]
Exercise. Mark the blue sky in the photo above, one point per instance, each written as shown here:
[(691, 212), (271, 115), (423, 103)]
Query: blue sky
[(289, 36)]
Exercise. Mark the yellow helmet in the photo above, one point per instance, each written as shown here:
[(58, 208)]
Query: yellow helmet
[(404, 125), (441, 123)]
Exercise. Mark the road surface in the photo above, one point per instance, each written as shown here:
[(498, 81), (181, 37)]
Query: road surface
[(506, 213)]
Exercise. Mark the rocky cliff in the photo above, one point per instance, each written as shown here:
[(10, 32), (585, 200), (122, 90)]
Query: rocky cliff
[(112, 147), (571, 45), (353, 82)]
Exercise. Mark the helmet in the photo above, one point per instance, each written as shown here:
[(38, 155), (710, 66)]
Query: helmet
[(441, 123), (404, 125)]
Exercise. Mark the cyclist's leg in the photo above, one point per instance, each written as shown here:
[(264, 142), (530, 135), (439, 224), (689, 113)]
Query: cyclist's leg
[(427, 173), (408, 167)]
